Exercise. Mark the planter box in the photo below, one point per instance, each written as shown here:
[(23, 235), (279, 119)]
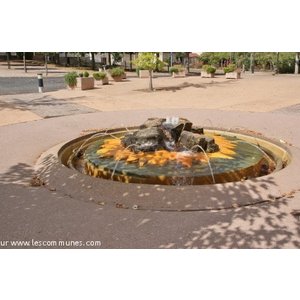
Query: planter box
[(233, 75), (85, 83), (104, 81), (117, 78), (207, 75), (179, 74), (144, 74)]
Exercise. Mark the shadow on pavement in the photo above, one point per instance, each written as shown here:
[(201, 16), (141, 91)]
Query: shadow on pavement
[(184, 85), (267, 225), (47, 106)]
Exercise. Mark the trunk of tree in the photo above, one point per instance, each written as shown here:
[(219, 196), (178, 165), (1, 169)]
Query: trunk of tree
[(24, 60), (66, 59), (252, 62), (130, 63), (150, 81), (188, 62), (46, 64), (109, 58), (8, 59), (156, 67), (123, 60), (93, 60), (297, 63), (57, 58), (277, 63)]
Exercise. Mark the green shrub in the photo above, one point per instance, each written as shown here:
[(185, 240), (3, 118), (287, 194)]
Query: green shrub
[(71, 79), (117, 72), (99, 75), (209, 69), (86, 74), (286, 67), (174, 69), (230, 68), (80, 74)]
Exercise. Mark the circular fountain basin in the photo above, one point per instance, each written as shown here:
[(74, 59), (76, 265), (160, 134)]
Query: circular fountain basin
[(241, 157)]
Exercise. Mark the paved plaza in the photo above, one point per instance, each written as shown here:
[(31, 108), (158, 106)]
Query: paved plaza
[(31, 123)]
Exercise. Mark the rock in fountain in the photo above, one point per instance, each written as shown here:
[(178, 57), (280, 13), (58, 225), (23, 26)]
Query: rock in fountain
[(190, 140), (146, 140), (169, 134)]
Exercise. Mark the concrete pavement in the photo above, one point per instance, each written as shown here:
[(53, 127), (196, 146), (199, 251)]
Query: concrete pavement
[(65, 211), (62, 210)]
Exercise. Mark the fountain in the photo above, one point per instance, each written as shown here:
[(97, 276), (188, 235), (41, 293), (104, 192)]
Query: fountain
[(172, 151)]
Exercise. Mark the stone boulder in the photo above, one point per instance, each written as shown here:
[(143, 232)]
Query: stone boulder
[(197, 129), (146, 140), (171, 134), (187, 125), (153, 122), (190, 141)]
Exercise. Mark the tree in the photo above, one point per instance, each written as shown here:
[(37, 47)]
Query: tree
[(57, 58), (109, 58), (46, 62), (93, 60), (188, 61), (215, 58), (117, 57), (252, 62), (148, 61), (180, 56), (130, 59), (8, 59), (297, 62)]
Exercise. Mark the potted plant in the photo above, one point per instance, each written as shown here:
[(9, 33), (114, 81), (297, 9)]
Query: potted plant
[(177, 71), (85, 82), (71, 80), (117, 74), (232, 72), (208, 71), (101, 76)]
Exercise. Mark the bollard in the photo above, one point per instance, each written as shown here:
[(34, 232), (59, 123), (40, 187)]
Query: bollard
[(40, 82)]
